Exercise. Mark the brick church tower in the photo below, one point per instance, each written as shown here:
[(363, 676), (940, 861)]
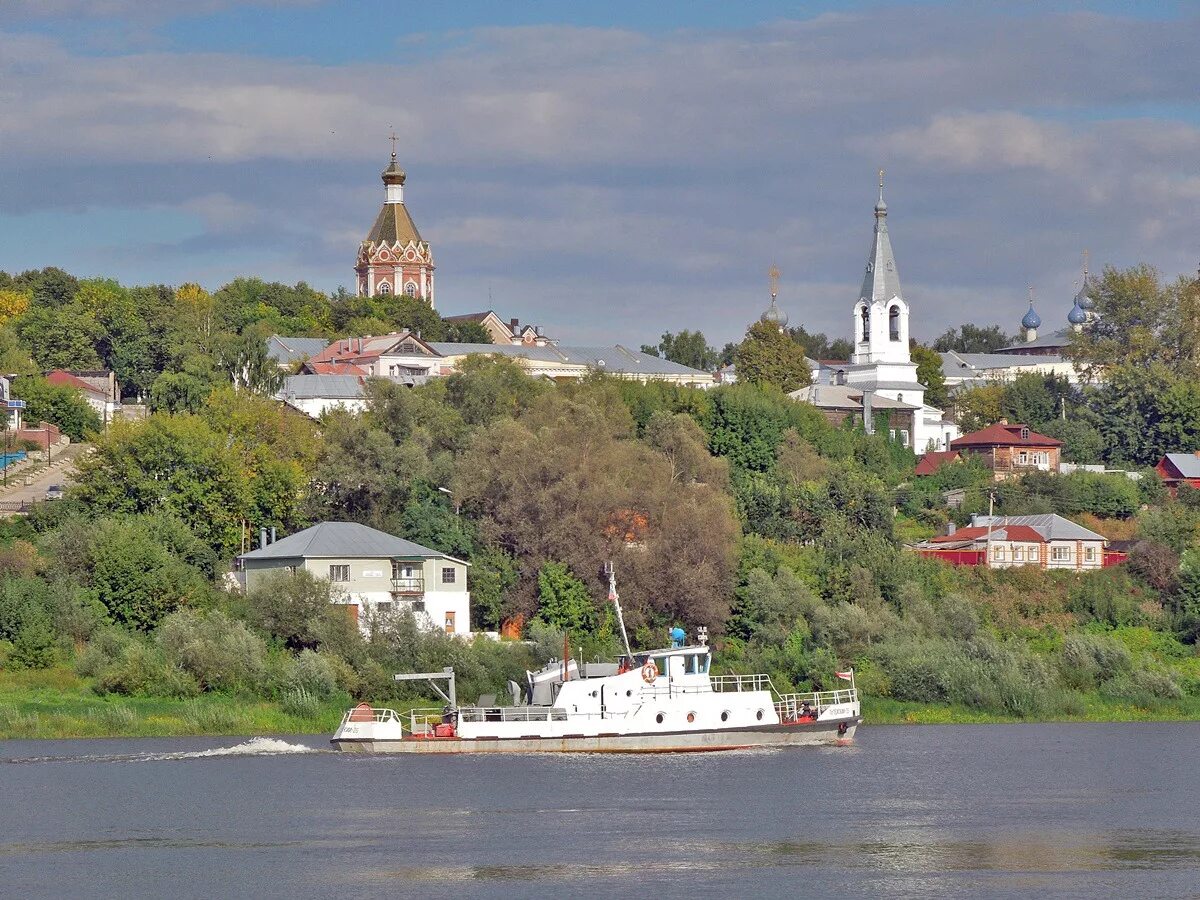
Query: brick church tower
[(393, 258)]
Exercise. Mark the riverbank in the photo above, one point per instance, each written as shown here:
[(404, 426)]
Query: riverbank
[(56, 703)]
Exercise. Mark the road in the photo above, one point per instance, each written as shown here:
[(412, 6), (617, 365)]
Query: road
[(61, 469)]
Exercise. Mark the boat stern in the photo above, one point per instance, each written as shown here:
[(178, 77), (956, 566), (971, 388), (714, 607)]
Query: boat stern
[(364, 727)]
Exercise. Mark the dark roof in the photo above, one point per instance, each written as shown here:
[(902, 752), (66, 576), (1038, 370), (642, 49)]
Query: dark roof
[(1001, 435), (471, 317), (343, 540), (393, 225), (293, 349)]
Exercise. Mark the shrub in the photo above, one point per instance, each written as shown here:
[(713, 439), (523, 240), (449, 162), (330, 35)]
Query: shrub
[(142, 670), (300, 703), (33, 647), (312, 674), (219, 652), (1088, 659)]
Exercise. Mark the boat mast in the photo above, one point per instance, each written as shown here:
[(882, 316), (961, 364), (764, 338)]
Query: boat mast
[(616, 602)]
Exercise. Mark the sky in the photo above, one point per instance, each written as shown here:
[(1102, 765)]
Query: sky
[(610, 170)]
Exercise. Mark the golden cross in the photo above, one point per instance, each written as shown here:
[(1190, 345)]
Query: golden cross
[(773, 274)]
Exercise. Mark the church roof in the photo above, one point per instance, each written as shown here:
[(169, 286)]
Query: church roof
[(882, 281), (393, 225), (1057, 340)]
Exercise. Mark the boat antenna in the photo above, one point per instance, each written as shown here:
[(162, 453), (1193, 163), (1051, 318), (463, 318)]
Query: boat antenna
[(616, 602)]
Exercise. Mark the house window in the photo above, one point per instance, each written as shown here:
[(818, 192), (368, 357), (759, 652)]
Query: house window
[(999, 552), (448, 575), (894, 323), (383, 607), (450, 623), (385, 289), (1025, 433), (410, 289), (402, 570), (1034, 554), (1022, 458), (1060, 554), (904, 436), (1089, 554), (1018, 553), (339, 573)]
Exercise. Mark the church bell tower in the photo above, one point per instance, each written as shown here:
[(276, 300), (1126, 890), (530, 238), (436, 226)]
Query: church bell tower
[(881, 314), (393, 259)]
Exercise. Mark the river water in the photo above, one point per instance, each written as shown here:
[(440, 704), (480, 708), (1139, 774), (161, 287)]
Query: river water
[(1107, 810)]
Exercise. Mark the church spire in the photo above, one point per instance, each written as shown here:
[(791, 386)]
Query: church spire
[(882, 282), (393, 177)]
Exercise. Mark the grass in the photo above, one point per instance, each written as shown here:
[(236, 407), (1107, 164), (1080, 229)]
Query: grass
[(56, 703), (884, 711)]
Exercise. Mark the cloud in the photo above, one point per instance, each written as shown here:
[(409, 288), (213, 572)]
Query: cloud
[(609, 179), (141, 10)]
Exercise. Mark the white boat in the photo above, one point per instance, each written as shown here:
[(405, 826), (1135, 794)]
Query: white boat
[(660, 701)]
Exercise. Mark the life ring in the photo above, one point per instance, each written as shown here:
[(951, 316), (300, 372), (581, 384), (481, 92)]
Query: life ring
[(649, 673)]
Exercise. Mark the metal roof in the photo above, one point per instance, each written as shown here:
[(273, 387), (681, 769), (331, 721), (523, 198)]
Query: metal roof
[(1052, 527), (1187, 464), (343, 540), (615, 359), (1057, 339), (844, 396), (314, 387), (294, 349)]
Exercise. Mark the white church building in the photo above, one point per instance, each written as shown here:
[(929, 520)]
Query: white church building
[(881, 375)]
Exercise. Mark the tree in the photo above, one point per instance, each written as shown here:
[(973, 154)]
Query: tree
[(929, 373), (177, 392), (1143, 412), (818, 346), (13, 304), (466, 333), (58, 404), (563, 600), (1133, 312), (768, 356), (688, 348), (62, 338), (973, 339)]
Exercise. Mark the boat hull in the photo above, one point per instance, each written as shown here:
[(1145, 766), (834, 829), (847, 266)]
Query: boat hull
[(828, 732)]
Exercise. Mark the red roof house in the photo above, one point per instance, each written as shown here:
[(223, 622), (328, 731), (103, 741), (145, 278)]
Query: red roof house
[(1179, 468), (934, 460), (1011, 450)]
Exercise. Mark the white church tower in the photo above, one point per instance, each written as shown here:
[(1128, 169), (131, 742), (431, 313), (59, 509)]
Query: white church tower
[(881, 365)]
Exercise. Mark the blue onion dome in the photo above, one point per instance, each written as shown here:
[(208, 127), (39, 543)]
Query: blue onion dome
[(1031, 319), (774, 315), (1076, 316)]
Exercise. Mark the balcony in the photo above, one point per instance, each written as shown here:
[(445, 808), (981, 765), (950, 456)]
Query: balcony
[(408, 586)]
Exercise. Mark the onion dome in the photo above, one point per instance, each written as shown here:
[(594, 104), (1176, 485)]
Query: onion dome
[(1031, 318), (1083, 299), (774, 316), (393, 174), (1077, 316)]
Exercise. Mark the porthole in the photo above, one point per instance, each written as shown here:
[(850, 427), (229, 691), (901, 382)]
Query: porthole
[(595, 693), (691, 717), (629, 693), (659, 718), (725, 716), (759, 715)]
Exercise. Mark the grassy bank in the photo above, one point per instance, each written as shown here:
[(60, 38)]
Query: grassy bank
[(56, 703), (1094, 708)]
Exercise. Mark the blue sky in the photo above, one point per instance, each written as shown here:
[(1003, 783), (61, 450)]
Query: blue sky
[(609, 170)]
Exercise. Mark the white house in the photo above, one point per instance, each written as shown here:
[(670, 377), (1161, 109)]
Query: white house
[(314, 395), (375, 572)]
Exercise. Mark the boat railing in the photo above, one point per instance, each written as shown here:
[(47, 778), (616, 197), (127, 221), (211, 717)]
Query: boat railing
[(725, 683), (421, 721), (373, 714), (794, 706)]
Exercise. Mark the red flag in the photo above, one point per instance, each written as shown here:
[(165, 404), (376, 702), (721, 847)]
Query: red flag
[(845, 676)]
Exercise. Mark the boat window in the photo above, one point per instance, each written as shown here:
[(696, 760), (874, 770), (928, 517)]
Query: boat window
[(692, 664)]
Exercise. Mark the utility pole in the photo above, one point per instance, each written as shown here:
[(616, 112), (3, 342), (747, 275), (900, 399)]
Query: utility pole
[(988, 544)]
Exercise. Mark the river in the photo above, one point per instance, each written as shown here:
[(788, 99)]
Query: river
[(1108, 810)]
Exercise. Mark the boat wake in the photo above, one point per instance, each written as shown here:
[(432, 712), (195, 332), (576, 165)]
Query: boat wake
[(259, 746)]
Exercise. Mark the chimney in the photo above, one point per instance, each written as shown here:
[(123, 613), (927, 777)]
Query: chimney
[(262, 538), (272, 534), (513, 324), (951, 528), (867, 413), (1004, 421)]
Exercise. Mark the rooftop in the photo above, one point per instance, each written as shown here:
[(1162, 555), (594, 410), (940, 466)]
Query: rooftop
[(343, 540), (1002, 434)]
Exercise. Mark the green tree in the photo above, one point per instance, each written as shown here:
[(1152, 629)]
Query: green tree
[(466, 333), (178, 392), (563, 600), (58, 404), (973, 339), (62, 338), (929, 373), (768, 356), (688, 348), (493, 577)]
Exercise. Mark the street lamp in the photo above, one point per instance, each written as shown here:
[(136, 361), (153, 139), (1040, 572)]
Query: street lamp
[(450, 494)]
